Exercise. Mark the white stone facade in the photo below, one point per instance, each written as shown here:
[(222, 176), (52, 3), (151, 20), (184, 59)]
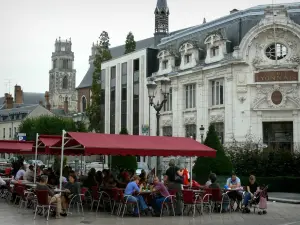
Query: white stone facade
[(239, 94)]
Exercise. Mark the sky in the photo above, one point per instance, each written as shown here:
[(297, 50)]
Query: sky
[(29, 29)]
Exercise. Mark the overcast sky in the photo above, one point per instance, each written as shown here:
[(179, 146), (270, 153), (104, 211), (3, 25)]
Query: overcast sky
[(29, 29)]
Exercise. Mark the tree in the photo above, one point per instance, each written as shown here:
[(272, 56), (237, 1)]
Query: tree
[(124, 162), (49, 125), (94, 109), (220, 165), (130, 44)]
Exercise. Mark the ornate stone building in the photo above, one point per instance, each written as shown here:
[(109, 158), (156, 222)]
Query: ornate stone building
[(239, 72), (62, 77)]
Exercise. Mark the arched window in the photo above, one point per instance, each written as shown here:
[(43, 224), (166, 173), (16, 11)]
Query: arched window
[(83, 104), (65, 83)]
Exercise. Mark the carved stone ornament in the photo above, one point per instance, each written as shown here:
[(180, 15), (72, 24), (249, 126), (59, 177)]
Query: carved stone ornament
[(242, 89), (217, 118), (294, 59), (276, 96), (191, 119), (167, 122)]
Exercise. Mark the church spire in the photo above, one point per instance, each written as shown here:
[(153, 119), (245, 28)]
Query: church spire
[(162, 5)]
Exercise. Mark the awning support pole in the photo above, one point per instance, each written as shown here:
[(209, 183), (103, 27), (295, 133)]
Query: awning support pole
[(35, 156), (191, 169), (62, 158)]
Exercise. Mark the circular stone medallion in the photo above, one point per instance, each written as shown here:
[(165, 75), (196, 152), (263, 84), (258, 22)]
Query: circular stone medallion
[(276, 97)]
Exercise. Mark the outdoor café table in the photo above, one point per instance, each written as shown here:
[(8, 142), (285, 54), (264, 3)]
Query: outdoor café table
[(60, 190), (31, 185), (6, 178)]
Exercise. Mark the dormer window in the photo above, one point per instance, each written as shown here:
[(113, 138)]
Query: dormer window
[(165, 64), (214, 51), (187, 58)]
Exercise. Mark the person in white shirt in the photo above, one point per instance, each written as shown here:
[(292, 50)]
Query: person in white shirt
[(29, 174), (20, 174), (2, 182)]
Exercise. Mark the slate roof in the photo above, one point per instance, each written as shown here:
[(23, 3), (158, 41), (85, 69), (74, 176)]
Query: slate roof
[(28, 98), (22, 111)]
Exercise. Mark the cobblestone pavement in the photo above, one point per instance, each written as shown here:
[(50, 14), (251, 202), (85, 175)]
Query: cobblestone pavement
[(278, 214)]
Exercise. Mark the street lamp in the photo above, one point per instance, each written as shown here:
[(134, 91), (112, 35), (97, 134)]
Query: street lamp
[(201, 132), (165, 90)]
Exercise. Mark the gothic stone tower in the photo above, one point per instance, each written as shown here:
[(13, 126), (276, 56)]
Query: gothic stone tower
[(62, 77), (161, 21)]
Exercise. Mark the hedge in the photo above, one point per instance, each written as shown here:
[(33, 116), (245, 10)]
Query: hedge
[(275, 184)]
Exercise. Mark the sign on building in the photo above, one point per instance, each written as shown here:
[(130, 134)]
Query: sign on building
[(145, 129), (269, 76), (21, 136)]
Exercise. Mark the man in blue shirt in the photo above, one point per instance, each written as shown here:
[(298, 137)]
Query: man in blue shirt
[(133, 188)]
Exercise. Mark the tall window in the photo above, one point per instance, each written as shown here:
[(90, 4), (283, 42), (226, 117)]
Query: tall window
[(65, 82), (214, 51), (65, 63), (165, 64), (112, 99), (217, 89), (136, 74), (124, 96), (54, 63), (168, 104), (83, 104), (190, 130), (3, 133), (167, 131), (187, 58), (219, 128), (10, 134), (190, 96), (15, 131), (102, 102)]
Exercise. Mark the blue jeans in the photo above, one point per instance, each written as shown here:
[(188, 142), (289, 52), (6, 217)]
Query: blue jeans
[(141, 202), (247, 198), (156, 203)]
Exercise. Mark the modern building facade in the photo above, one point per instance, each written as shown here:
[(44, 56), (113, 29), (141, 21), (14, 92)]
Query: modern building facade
[(240, 72)]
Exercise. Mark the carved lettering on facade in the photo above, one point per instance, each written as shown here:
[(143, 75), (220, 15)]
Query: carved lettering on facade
[(271, 76)]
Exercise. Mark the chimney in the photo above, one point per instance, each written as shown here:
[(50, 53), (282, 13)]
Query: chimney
[(9, 100), (48, 106), (66, 104), (233, 11), (18, 95)]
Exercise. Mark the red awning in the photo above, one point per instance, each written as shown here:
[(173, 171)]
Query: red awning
[(114, 144), (49, 140), (16, 147)]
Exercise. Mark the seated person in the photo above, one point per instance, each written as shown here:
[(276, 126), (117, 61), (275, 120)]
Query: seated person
[(234, 183), (20, 174), (252, 188), (3, 186), (29, 174), (160, 193), (73, 189), (110, 182), (215, 185), (42, 185), (131, 189)]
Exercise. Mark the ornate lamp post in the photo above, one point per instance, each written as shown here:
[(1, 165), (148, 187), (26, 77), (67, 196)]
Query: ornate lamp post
[(201, 132), (165, 89)]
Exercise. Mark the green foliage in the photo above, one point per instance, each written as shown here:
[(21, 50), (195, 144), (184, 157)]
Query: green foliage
[(130, 43), (94, 109), (49, 125), (124, 162), (220, 165)]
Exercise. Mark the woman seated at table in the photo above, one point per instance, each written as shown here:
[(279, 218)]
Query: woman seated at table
[(130, 191), (160, 193), (236, 196), (42, 185), (72, 189), (252, 187)]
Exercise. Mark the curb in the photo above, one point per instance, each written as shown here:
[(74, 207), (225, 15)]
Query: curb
[(283, 200)]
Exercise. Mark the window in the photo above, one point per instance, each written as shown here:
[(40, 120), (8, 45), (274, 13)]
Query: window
[(15, 131), (3, 133), (219, 128), (65, 83), (63, 48), (276, 51), (167, 131), (10, 134), (165, 64), (190, 96), (214, 51), (217, 90), (65, 64), (83, 103), (168, 104), (190, 130), (136, 114), (187, 58), (124, 95), (54, 64), (113, 73)]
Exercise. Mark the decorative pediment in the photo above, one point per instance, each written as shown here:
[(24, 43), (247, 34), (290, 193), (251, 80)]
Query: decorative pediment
[(276, 97), (167, 122), (217, 118), (190, 118)]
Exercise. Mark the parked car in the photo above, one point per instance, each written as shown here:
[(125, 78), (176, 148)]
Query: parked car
[(37, 162)]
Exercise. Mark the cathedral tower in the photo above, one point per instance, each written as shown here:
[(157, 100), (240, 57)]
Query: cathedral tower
[(62, 76), (161, 20)]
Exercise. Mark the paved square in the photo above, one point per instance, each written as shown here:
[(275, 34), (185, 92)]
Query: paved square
[(278, 214)]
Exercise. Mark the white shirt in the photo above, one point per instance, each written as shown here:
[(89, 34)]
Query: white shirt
[(29, 175), (2, 182), (20, 174)]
